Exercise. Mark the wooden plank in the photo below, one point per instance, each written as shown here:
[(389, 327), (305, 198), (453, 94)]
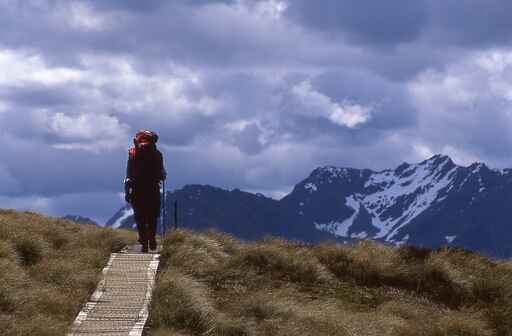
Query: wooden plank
[(120, 304)]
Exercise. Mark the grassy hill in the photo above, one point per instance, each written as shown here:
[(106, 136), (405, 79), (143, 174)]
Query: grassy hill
[(213, 284), (48, 269)]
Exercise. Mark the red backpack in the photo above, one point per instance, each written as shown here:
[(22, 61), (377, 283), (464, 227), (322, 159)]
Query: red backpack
[(147, 162), (144, 141)]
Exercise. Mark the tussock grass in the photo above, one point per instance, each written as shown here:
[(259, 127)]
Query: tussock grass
[(213, 284), (48, 269)]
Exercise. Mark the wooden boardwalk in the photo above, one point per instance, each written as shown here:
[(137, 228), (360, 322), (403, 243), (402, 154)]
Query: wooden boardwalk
[(119, 306)]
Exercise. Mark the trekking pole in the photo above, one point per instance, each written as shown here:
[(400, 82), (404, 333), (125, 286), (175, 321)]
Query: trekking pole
[(164, 229)]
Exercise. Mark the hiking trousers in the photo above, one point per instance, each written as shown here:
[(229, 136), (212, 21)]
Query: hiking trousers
[(146, 206)]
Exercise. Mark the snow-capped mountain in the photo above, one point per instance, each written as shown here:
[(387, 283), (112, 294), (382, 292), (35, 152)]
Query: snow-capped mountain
[(122, 219), (431, 203)]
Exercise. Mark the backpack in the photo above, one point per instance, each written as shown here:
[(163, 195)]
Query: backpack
[(145, 156)]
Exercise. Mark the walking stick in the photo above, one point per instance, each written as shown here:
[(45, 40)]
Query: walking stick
[(164, 228)]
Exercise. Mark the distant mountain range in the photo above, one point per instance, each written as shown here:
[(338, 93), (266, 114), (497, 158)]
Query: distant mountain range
[(432, 203), (79, 219)]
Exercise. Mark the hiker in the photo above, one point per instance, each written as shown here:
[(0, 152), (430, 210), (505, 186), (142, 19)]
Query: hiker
[(144, 172)]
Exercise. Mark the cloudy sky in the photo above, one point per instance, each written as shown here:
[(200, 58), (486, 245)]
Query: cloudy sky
[(244, 93)]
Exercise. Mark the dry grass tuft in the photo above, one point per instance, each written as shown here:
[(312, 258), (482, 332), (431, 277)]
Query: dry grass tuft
[(182, 303), (29, 251), (212, 284), (49, 269), (274, 261)]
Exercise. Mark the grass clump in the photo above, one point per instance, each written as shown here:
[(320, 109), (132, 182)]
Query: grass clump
[(273, 261), (212, 284), (29, 251), (49, 268), (182, 302)]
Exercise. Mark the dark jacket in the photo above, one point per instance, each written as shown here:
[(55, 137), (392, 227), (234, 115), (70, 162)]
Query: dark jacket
[(144, 171)]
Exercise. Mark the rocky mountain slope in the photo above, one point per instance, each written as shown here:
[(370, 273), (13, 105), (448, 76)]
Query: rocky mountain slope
[(431, 203)]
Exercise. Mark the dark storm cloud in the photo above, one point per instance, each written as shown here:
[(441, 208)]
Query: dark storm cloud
[(471, 23), (42, 170), (367, 21)]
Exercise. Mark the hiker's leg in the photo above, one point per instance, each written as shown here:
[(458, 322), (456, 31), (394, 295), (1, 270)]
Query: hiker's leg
[(145, 220), (141, 226), (152, 222), (153, 214)]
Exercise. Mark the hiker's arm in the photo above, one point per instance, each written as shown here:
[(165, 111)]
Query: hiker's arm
[(128, 181)]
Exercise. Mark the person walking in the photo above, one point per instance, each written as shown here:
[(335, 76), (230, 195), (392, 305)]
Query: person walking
[(144, 172)]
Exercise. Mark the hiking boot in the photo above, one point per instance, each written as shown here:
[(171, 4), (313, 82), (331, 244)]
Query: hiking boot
[(152, 244)]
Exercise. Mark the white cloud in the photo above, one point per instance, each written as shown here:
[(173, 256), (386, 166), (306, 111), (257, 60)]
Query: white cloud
[(19, 68), (479, 76), (270, 8), (465, 109), (423, 151), (343, 113), (81, 16), (88, 131), (167, 91), (237, 125), (243, 132), (86, 126)]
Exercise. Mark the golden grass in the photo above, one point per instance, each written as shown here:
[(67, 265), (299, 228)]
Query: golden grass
[(48, 269), (213, 284)]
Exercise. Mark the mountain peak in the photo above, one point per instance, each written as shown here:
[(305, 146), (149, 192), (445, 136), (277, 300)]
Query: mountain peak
[(438, 159)]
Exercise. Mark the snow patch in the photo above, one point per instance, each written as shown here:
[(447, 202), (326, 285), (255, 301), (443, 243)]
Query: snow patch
[(422, 182), (126, 212), (360, 235), (450, 239), (340, 229)]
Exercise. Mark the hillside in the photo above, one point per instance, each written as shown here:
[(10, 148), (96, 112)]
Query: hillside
[(48, 269), (213, 284), (432, 203)]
